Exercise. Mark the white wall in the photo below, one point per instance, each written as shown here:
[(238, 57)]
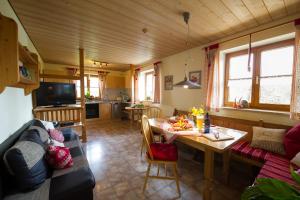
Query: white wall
[(180, 98), (15, 107)]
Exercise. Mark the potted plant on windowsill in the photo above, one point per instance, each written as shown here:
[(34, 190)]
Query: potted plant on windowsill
[(147, 101), (269, 188)]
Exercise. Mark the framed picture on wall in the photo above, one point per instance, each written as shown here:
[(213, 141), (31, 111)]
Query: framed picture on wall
[(169, 82), (195, 76)]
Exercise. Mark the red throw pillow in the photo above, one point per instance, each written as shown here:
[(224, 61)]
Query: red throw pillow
[(292, 142), (56, 135), (59, 157)]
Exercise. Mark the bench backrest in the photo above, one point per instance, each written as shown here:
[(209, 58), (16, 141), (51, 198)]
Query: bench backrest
[(243, 125)]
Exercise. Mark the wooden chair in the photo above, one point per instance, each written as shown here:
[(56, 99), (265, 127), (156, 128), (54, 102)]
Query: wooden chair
[(159, 153), (152, 112)]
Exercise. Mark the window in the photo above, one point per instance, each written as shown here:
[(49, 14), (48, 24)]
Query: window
[(149, 87), (267, 83), (91, 83), (94, 86), (146, 85)]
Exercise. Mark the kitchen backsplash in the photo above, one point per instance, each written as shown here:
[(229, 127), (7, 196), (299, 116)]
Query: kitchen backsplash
[(112, 94)]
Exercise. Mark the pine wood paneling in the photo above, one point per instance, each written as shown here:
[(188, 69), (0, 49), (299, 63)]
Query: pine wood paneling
[(276, 8), (111, 31)]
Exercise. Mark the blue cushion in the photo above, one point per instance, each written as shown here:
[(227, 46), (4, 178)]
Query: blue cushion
[(69, 134), (25, 161)]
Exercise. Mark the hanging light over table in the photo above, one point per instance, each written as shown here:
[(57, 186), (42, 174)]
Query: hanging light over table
[(186, 83)]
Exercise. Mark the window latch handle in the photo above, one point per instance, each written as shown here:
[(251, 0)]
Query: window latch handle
[(256, 80)]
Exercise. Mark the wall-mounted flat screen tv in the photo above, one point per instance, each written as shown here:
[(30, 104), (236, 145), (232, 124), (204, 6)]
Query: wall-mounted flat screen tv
[(55, 94)]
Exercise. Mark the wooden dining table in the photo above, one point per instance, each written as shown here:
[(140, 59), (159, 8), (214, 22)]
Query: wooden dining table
[(209, 147), (136, 111)]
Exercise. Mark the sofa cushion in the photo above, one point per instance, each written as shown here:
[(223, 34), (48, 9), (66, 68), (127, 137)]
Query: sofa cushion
[(243, 148), (42, 133), (278, 168), (59, 157), (25, 161), (39, 124), (296, 160), (268, 139), (292, 142), (164, 151), (48, 125), (69, 135), (79, 182), (56, 135)]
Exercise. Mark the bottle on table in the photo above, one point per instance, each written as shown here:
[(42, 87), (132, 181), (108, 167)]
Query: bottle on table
[(206, 123)]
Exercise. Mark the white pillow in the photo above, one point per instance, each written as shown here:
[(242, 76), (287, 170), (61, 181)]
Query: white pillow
[(48, 125), (56, 143), (268, 139), (296, 159)]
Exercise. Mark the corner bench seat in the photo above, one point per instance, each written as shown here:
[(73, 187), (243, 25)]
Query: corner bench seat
[(273, 165), (278, 168), (244, 149)]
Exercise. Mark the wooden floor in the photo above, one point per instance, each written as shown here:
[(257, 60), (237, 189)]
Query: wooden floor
[(113, 152)]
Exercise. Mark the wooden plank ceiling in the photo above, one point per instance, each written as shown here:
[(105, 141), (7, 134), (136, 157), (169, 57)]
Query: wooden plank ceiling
[(111, 30)]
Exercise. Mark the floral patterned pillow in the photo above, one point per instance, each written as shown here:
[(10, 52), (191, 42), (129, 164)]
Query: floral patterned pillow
[(56, 135), (59, 157)]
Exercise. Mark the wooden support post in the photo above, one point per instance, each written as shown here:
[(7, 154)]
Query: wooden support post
[(83, 116), (132, 83)]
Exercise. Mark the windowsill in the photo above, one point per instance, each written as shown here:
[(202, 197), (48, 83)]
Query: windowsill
[(257, 110)]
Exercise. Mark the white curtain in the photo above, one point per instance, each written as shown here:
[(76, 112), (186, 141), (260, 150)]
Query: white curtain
[(295, 101)]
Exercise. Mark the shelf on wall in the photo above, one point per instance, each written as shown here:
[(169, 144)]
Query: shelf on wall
[(11, 54)]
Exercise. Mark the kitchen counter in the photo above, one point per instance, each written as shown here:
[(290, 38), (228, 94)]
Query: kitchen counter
[(101, 102)]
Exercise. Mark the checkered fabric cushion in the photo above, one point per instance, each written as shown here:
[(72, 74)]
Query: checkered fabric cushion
[(243, 148), (278, 168)]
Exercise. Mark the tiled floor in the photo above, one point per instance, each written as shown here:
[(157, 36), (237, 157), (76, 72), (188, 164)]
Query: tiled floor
[(113, 151)]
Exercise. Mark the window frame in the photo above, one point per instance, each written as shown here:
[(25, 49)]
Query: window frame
[(152, 96), (256, 51), (87, 86)]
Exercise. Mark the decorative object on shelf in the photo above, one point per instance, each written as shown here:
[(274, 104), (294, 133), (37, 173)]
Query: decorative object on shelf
[(195, 77), (186, 83), (241, 103), (25, 73), (169, 82)]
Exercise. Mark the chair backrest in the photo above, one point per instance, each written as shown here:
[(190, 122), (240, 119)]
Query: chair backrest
[(148, 135), (153, 112), (180, 112)]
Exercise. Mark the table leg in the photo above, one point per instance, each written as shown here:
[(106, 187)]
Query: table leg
[(226, 162), (208, 174), (132, 116)]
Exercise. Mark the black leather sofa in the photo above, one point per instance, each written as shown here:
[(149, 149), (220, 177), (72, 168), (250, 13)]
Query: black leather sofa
[(75, 183)]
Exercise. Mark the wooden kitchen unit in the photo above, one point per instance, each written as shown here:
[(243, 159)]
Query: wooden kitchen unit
[(105, 110)]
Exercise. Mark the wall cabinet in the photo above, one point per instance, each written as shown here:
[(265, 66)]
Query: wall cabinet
[(18, 66), (115, 82)]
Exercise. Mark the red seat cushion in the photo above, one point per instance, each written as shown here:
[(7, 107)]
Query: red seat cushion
[(167, 152), (243, 148), (292, 142), (278, 168)]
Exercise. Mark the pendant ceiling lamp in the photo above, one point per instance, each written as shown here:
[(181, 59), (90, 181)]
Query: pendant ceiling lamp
[(186, 83)]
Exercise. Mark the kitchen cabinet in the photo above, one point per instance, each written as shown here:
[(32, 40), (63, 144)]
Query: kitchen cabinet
[(105, 111), (115, 82)]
